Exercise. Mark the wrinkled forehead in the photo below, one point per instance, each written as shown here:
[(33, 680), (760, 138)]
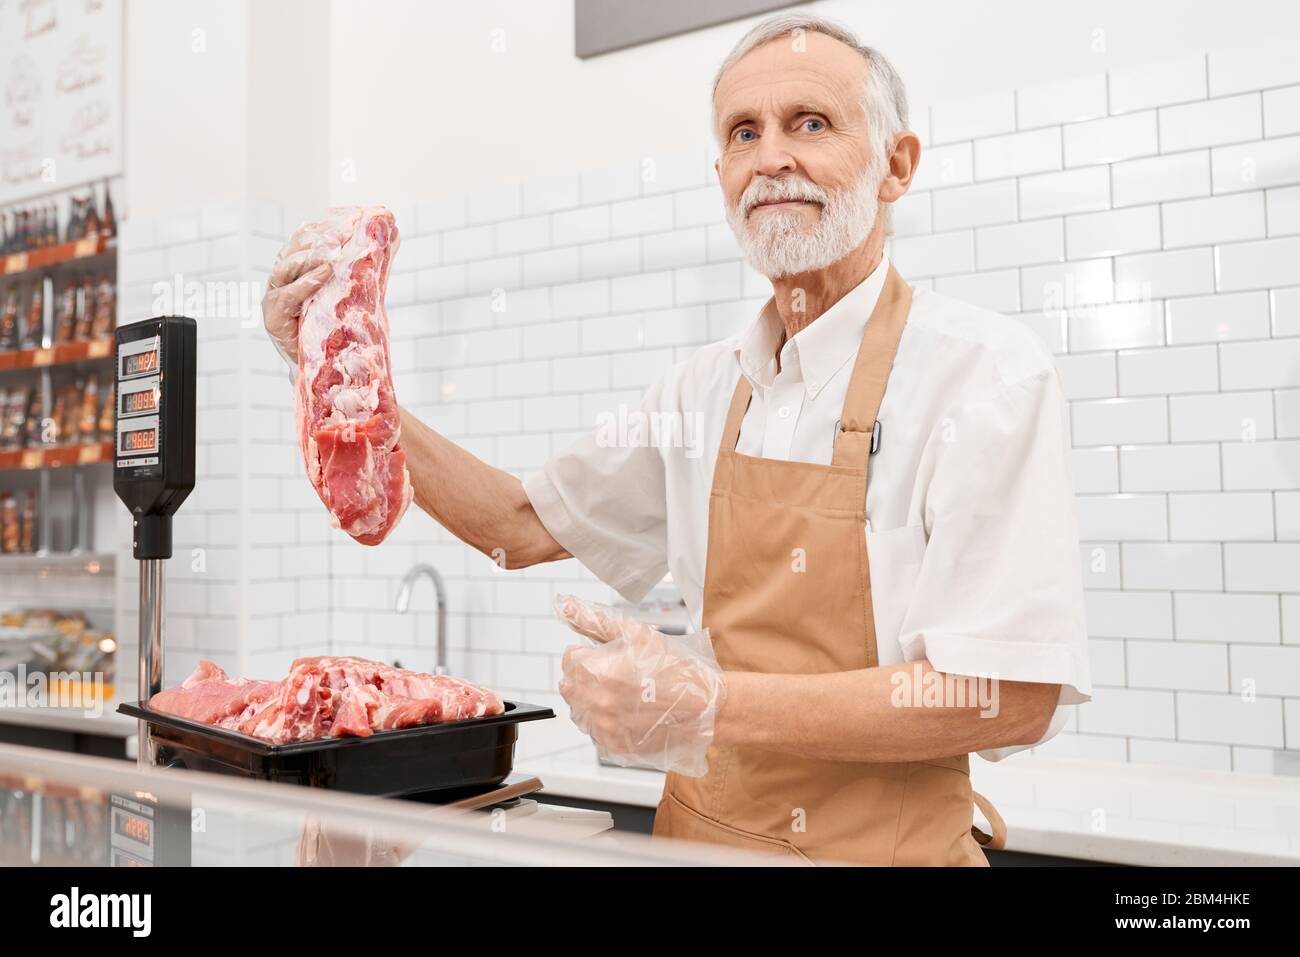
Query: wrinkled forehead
[(798, 71)]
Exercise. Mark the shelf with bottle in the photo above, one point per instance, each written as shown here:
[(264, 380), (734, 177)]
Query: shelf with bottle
[(32, 238), (77, 431), (84, 314), (68, 353), (41, 259), (56, 456), (21, 547)]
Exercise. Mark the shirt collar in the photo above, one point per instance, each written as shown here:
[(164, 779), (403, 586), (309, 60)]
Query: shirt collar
[(820, 349)]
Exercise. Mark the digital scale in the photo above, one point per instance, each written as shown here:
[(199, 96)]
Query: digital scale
[(154, 374), (153, 465)]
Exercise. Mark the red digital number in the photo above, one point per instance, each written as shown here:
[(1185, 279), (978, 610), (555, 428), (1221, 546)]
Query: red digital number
[(139, 440), (136, 829)]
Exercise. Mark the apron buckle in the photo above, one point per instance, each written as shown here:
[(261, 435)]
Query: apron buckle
[(875, 434)]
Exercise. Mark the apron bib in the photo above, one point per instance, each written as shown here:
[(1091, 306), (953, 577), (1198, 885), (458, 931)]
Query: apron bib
[(787, 590)]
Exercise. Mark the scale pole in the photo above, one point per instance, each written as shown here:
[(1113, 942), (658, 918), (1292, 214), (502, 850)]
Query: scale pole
[(151, 648)]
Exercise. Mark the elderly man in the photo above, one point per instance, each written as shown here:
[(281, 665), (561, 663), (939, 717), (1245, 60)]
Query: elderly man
[(857, 640)]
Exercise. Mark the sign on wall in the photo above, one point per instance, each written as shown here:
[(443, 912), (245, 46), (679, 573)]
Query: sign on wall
[(60, 94), (602, 26)]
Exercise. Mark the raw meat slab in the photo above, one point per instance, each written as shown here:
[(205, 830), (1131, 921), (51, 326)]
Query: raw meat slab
[(348, 425)]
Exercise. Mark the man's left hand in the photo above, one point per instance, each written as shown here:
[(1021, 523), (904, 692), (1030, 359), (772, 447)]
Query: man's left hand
[(644, 697)]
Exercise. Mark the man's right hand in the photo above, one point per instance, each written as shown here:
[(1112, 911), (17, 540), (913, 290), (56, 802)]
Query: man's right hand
[(299, 271)]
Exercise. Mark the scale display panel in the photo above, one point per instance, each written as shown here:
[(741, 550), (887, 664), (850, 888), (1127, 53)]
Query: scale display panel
[(139, 391), (131, 831), (153, 451)]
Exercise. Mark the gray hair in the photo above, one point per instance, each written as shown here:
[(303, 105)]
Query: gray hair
[(885, 99)]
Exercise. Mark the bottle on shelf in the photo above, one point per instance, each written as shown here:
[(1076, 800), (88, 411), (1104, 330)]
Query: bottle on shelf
[(105, 308), (106, 415), (32, 437), (57, 414), (26, 538), (88, 427), (34, 326), (10, 532), (9, 319), (75, 406), (65, 317), (85, 308), (15, 406), (76, 222), (67, 413), (108, 222), (92, 217)]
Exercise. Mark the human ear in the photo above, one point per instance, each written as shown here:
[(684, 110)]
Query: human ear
[(902, 167)]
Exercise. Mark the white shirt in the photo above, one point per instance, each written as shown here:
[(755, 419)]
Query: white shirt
[(971, 530)]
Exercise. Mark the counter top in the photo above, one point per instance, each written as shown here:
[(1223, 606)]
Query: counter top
[(248, 822), (1090, 810), (576, 772)]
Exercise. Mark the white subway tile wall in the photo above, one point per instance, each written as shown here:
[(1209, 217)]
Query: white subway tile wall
[(1145, 223)]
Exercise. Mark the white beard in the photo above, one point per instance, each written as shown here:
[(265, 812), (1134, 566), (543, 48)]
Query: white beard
[(778, 244)]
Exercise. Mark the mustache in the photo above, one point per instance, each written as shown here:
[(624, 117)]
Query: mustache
[(784, 189)]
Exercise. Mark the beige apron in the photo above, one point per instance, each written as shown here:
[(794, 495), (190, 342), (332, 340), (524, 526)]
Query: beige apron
[(766, 518)]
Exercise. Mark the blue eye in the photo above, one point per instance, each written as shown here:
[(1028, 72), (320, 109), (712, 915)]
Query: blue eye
[(814, 126), (743, 134)]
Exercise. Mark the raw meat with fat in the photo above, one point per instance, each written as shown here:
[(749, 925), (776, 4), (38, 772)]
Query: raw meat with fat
[(327, 696), (348, 425), (209, 695)]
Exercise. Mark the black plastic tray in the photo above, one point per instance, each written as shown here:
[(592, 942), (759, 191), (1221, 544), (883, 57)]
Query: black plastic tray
[(453, 756)]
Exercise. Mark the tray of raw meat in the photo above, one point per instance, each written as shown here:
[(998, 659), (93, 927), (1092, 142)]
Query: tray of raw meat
[(338, 722)]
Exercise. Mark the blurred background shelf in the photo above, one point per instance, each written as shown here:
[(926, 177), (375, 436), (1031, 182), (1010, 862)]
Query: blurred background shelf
[(67, 353), (88, 563), (36, 260), (56, 456)]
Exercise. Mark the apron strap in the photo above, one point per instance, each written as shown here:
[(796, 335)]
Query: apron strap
[(871, 371), (998, 839), (736, 413)]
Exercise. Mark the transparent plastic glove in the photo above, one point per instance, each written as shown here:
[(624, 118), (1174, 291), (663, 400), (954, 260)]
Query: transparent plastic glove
[(644, 697), (300, 269)]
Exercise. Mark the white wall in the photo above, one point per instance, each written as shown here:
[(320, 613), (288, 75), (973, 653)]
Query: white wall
[(186, 96), (226, 100), (422, 105), (288, 102)]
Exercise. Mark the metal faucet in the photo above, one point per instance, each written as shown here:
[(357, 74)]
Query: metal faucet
[(440, 589)]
